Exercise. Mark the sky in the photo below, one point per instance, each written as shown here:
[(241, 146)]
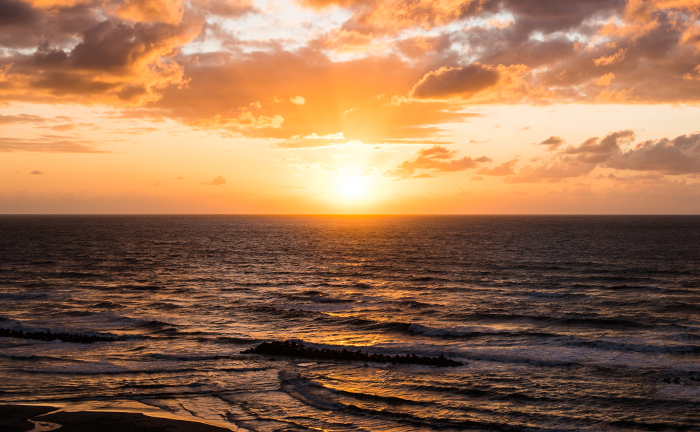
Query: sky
[(350, 106)]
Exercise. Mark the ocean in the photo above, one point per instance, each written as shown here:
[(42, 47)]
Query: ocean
[(563, 323)]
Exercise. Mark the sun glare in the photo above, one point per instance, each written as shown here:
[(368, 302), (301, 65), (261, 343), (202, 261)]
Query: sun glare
[(352, 187)]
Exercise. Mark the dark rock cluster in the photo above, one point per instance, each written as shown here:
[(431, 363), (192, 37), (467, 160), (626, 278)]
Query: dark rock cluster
[(293, 349), (49, 336), (679, 380)]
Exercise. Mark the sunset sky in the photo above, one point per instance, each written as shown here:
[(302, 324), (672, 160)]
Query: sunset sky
[(350, 106)]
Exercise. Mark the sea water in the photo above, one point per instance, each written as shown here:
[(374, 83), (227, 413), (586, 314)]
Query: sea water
[(566, 323)]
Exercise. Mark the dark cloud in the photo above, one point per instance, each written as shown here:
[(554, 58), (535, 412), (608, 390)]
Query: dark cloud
[(594, 150), (80, 57), (37, 172), (677, 156), (553, 142), (450, 82), (680, 155), (16, 13)]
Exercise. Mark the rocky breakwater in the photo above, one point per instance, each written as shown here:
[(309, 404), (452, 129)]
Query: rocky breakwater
[(294, 349), (49, 336)]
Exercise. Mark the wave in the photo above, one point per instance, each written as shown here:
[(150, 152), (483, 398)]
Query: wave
[(640, 348), (194, 358), (139, 287), (21, 296), (598, 322), (88, 370), (236, 340), (104, 317), (465, 332), (323, 398)]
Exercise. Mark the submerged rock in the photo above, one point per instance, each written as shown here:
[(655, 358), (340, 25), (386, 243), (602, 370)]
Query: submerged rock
[(293, 349), (49, 336)]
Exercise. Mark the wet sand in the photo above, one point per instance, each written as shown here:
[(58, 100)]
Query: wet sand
[(14, 418)]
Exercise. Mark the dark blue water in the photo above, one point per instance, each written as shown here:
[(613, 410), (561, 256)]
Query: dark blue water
[(564, 323)]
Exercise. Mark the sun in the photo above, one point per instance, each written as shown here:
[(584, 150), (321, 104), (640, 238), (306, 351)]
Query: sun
[(352, 187)]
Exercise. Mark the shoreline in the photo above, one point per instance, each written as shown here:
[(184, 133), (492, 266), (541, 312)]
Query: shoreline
[(45, 417)]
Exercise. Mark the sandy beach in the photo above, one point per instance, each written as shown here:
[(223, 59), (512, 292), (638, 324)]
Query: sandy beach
[(17, 418)]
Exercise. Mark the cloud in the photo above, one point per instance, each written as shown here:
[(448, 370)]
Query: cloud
[(680, 155), (167, 11), (21, 118), (245, 120), (218, 181), (219, 81), (553, 142), (677, 156), (605, 80), (552, 171), (63, 127), (181, 60), (317, 165), (37, 172), (594, 150), (136, 130), (115, 61), (48, 144), (335, 136), (436, 158), (226, 8), (612, 59), (452, 82), (504, 169)]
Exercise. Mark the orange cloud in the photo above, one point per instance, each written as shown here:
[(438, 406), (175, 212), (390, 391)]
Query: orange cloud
[(330, 89), (436, 158), (48, 144), (504, 169), (165, 11), (218, 181), (611, 59), (605, 80), (243, 120)]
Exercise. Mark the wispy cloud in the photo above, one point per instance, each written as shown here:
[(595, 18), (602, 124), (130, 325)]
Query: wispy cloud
[(49, 144), (218, 181)]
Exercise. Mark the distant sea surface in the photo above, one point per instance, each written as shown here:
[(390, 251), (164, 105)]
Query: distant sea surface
[(563, 323)]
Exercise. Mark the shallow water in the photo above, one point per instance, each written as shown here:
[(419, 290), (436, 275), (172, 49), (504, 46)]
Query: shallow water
[(564, 323)]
